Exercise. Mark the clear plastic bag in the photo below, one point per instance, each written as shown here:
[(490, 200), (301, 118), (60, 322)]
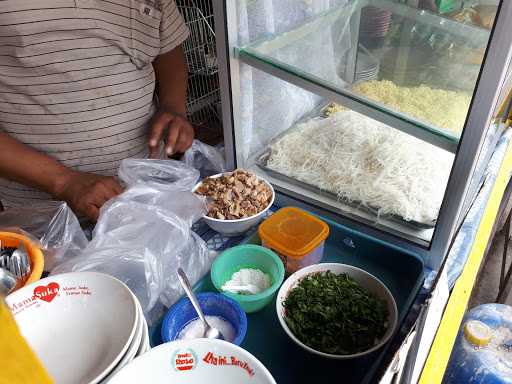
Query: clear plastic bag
[(205, 158), (53, 224), (144, 235), (185, 205), (162, 174), (136, 267)]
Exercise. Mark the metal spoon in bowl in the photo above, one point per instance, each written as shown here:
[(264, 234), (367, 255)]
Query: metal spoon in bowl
[(209, 331)]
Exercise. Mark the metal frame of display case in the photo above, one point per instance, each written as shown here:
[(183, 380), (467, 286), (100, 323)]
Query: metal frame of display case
[(431, 368), (467, 172), (499, 123), (491, 79)]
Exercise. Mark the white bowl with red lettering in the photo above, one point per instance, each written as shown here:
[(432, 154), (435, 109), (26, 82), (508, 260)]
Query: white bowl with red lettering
[(80, 324), (237, 227), (196, 361)]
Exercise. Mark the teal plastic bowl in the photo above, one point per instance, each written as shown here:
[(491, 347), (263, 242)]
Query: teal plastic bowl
[(248, 256)]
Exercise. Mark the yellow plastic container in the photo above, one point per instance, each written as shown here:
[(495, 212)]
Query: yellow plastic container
[(296, 236), (11, 239)]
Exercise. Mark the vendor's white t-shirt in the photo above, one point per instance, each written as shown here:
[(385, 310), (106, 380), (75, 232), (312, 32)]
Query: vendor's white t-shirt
[(76, 80)]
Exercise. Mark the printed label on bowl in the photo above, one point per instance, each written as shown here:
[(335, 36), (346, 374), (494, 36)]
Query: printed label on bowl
[(46, 294), (184, 360), (220, 360)]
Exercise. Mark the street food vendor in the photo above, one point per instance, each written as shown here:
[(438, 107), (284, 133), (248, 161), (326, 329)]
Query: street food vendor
[(79, 82)]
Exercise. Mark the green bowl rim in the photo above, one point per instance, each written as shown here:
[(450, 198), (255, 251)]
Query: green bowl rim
[(258, 296)]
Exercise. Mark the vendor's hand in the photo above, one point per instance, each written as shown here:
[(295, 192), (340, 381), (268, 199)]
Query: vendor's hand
[(174, 129), (86, 193)]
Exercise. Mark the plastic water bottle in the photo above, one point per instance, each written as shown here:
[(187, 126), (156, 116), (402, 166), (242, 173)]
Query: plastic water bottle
[(483, 350)]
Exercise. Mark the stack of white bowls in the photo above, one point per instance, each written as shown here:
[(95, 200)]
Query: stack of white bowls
[(84, 326)]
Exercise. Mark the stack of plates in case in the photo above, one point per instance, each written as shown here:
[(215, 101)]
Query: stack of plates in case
[(367, 66), (374, 22), (374, 25), (83, 326)]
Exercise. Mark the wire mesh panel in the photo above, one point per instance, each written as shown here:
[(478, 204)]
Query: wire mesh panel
[(203, 104)]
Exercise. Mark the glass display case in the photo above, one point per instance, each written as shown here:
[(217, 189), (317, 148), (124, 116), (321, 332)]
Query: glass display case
[(381, 114)]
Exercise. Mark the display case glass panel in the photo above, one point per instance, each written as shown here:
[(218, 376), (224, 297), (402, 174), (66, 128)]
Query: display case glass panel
[(396, 66), (411, 65), (344, 161)]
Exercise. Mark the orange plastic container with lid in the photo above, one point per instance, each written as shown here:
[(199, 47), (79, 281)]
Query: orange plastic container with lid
[(296, 236)]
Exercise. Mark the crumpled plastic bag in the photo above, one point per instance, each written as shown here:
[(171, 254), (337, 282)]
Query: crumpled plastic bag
[(141, 237), (162, 174), (144, 235), (52, 224), (206, 159)]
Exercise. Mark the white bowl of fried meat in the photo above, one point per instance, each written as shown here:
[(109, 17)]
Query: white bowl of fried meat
[(237, 201)]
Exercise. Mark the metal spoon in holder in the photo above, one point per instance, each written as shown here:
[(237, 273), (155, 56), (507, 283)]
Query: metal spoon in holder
[(7, 282), (209, 331), (15, 261)]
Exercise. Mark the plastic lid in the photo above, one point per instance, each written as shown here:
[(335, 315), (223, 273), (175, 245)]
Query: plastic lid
[(293, 232), (477, 333)]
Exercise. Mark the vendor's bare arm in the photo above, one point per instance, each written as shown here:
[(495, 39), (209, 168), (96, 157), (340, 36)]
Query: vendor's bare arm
[(171, 74), (84, 192), (21, 163)]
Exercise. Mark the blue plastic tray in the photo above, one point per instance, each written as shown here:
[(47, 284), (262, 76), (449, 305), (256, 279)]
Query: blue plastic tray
[(400, 271)]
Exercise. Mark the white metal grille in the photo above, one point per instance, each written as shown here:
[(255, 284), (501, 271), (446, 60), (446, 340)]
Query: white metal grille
[(203, 85)]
